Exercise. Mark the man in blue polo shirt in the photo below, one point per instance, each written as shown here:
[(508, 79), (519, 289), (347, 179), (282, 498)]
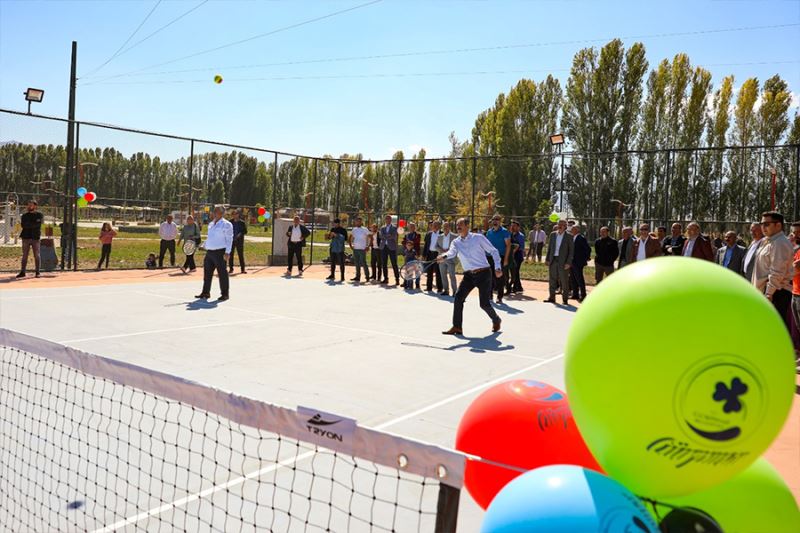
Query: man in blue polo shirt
[(500, 238)]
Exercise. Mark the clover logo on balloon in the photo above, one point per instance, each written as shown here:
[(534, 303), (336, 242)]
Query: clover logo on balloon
[(730, 395)]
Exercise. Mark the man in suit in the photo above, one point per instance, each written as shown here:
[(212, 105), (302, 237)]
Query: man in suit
[(431, 253), (239, 231), (606, 251), (580, 258), (447, 267), (647, 245), (750, 258), (297, 235), (697, 245), (731, 256), (626, 247), (673, 245), (388, 244), (560, 248)]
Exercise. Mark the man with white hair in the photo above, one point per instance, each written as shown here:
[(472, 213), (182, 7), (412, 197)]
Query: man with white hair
[(218, 248), (697, 245), (750, 258)]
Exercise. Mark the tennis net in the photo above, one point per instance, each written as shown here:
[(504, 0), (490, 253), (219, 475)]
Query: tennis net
[(89, 443)]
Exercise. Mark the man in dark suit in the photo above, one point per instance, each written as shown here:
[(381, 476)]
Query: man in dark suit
[(673, 245), (697, 245), (606, 251), (580, 258), (731, 256), (647, 245), (388, 244), (239, 231), (560, 248), (297, 235), (431, 253), (626, 247)]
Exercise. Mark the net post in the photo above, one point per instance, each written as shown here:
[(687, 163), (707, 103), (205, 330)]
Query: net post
[(447, 509), (274, 189)]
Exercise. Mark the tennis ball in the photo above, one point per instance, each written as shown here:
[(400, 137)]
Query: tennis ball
[(217, 79)]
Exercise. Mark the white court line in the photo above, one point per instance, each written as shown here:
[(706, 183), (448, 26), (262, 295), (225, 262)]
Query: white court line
[(290, 461), (167, 330)]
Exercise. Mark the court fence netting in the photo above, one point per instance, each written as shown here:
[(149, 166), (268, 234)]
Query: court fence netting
[(89, 443)]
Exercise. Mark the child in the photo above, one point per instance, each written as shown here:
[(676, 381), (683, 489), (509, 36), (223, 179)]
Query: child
[(410, 255), (150, 263), (107, 234)]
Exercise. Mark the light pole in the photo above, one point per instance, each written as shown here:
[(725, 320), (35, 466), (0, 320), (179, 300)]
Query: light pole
[(557, 139)]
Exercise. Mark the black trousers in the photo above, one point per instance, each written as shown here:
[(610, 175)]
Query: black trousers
[(215, 260), (578, 282), (295, 251), (105, 254), (189, 263), (539, 248), (516, 282), (337, 258), (387, 254), (238, 247), (782, 300), (375, 263), (483, 281), (498, 284), (166, 245), (433, 272)]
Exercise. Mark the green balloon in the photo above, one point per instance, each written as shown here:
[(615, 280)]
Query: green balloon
[(554, 217), (82, 202), (261, 218), (753, 501), (679, 374)]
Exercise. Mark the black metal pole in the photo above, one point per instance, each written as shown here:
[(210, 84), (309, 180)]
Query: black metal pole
[(666, 188), (447, 509), (474, 185), (74, 249), (399, 175), (191, 169), (274, 192), (313, 212), (69, 189), (797, 182), (338, 187), (561, 194)]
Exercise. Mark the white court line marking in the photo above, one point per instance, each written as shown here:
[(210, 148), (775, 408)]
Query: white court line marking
[(168, 330), (290, 461)]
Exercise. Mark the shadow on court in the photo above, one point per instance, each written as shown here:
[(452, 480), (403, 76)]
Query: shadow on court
[(490, 343)]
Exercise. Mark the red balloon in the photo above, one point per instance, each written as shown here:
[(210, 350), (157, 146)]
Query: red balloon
[(90, 196), (261, 211), (401, 223), (521, 423)]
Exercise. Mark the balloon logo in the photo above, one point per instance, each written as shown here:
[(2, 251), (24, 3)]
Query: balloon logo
[(82, 192), (217, 79), (554, 217)]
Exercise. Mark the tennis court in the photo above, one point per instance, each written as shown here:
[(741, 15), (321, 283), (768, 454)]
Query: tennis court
[(369, 353)]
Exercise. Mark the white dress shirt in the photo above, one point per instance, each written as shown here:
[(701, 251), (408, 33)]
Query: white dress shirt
[(360, 234), (472, 250), (773, 270), (751, 251), (297, 235), (559, 240), (220, 235), (641, 254), (689, 247), (434, 237), (447, 238), (537, 237), (168, 231)]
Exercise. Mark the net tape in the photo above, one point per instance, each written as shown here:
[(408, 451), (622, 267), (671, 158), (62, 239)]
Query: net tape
[(90, 443)]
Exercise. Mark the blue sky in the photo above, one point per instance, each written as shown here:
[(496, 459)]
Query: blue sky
[(333, 107)]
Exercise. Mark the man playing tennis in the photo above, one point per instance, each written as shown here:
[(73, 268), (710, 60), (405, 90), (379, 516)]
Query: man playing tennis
[(471, 249)]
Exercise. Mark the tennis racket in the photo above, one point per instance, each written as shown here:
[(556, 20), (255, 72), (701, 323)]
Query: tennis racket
[(413, 270), (189, 247)]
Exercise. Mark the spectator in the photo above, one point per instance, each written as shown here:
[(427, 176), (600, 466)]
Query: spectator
[(239, 231), (626, 247), (107, 234), (673, 245), (388, 247), (67, 243), (774, 271), (750, 259), (359, 240), (150, 263), (661, 234), (337, 236), (536, 237), (413, 236), (219, 242), (189, 232), (375, 252), (500, 238), (168, 232), (409, 254), (796, 282), (560, 249), (646, 246), (297, 234), (517, 257), (606, 251), (31, 222), (431, 253), (447, 267), (731, 256), (580, 258), (697, 245)]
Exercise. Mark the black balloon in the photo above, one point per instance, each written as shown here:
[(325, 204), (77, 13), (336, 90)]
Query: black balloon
[(689, 520)]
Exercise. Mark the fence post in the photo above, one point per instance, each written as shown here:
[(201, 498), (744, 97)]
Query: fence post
[(274, 214), (666, 188), (474, 185), (313, 213), (399, 174), (191, 168), (74, 239), (796, 182), (338, 187)]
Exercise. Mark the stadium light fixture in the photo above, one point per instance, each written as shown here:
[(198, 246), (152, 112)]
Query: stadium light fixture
[(33, 95), (557, 139)]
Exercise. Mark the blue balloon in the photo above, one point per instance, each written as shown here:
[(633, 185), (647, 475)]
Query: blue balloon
[(82, 191), (267, 215), (566, 499)]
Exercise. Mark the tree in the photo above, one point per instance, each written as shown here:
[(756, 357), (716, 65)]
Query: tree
[(217, 195)]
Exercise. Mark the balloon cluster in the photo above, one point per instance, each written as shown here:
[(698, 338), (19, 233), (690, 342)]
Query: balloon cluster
[(401, 226), (85, 197), (263, 215), (676, 426)]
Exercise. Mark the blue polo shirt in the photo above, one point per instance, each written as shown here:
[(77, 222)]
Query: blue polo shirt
[(498, 239)]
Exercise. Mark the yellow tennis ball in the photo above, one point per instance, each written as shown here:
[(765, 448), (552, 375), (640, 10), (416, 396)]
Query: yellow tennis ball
[(217, 79)]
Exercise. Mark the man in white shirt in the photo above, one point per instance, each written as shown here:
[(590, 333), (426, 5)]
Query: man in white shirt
[(471, 249), (359, 240), (168, 231), (774, 267), (749, 259), (297, 234), (536, 237), (447, 269), (218, 247)]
